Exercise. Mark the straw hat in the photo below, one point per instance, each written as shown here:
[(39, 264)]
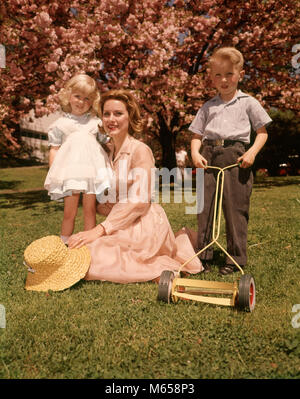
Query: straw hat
[(53, 266)]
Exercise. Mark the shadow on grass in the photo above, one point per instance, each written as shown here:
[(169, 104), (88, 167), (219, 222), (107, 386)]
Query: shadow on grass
[(263, 182), (219, 258), (27, 200), (14, 162), (9, 185), (276, 182)]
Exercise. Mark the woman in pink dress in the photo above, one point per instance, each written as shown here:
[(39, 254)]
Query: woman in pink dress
[(135, 242)]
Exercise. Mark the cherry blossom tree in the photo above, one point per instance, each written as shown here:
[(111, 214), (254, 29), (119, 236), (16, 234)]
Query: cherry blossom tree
[(157, 48)]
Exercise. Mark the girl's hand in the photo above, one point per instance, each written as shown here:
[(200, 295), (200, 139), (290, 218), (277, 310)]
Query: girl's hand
[(85, 237), (52, 154)]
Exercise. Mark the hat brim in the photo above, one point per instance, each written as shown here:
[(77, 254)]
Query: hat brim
[(71, 271)]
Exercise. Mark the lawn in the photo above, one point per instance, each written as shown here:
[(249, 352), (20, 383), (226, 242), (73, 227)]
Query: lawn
[(105, 330)]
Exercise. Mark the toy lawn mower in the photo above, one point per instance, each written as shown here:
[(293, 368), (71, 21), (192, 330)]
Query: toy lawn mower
[(240, 294)]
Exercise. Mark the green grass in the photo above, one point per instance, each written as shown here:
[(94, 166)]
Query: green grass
[(106, 330)]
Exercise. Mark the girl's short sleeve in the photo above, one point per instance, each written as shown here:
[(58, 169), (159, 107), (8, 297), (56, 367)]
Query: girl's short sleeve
[(55, 136), (94, 125)]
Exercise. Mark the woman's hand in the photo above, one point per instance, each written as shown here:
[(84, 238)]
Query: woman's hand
[(85, 237)]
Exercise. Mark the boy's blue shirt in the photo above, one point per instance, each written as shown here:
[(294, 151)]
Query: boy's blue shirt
[(230, 120)]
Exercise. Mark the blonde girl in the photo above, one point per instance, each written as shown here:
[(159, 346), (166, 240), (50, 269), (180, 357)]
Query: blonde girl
[(78, 163)]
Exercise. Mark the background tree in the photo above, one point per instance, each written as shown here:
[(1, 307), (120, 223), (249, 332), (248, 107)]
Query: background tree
[(157, 48), (283, 147)]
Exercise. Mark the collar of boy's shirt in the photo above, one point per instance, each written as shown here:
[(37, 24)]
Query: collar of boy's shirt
[(239, 94)]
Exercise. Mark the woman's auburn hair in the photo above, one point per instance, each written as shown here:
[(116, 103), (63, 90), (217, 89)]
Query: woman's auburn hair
[(132, 106), (83, 84)]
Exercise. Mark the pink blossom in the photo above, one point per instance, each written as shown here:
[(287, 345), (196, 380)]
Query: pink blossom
[(26, 101), (51, 66), (15, 70), (43, 19), (139, 47)]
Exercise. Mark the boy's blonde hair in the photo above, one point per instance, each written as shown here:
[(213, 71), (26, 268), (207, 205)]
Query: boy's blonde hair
[(84, 84), (132, 106), (227, 53)]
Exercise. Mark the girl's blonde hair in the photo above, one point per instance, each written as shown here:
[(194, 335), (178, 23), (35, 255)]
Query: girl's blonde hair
[(132, 106), (227, 53), (84, 84)]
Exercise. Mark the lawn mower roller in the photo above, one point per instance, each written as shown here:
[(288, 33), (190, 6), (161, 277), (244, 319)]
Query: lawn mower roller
[(240, 294)]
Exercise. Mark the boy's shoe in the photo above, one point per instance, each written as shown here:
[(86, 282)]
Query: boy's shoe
[(207, 266), (228, 269)]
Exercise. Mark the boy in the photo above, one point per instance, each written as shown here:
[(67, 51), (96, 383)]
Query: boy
[(221, 133)]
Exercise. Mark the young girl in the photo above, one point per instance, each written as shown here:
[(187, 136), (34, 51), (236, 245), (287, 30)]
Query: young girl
[(78, 163)]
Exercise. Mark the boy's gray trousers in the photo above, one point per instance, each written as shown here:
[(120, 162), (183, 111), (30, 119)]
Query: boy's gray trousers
[(236, 201)]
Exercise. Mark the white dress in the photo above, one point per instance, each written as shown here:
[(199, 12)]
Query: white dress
[(81, 164)]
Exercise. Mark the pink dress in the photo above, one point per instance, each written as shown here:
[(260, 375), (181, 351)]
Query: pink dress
[(139, 242)]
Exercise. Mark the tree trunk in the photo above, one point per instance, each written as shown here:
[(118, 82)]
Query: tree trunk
[(167, 140)]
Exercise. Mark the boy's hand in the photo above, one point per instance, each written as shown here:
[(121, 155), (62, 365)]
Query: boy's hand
[(248, 157), (246, 160), (199, 161)]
